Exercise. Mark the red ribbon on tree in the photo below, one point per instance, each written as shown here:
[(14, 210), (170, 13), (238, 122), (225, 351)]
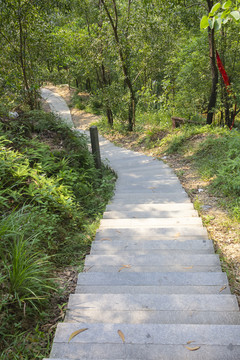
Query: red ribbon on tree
[(226, 82)]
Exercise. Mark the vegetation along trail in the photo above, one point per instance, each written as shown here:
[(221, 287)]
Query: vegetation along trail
[(131, 67)]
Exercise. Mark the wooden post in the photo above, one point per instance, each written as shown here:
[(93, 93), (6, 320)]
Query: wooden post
[(95, 146)]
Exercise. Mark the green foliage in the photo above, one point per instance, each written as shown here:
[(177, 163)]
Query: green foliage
[(51, 200), (216, 157), (220, 14)]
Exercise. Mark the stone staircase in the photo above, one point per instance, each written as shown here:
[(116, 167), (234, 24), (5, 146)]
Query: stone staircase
[(152, 288)]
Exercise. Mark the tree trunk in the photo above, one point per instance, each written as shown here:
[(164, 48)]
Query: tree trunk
[(105, 84), (123, 59), (22, 52), (214, 71), (214, 74)]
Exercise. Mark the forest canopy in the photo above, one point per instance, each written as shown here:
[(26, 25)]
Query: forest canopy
[(132, 56)]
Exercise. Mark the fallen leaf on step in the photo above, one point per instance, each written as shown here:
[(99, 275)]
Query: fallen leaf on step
[(177, 235), (105, 239), (188, 267), (87, 269), (191, 341), (124, 267), (223, 288), (192, 348), (75, 333), (118, 231), (120, 333)]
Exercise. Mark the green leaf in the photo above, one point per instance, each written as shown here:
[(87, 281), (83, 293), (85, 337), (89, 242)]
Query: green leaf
[(215, 8), (204, 22), (224, 21), (235, 15), (225, 14), (218, 24), (211, 23), (227, 4)]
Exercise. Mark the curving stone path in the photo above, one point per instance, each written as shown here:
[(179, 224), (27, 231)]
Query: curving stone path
[(152, 288)]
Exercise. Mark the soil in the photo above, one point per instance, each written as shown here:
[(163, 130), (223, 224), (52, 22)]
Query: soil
[(222, 229)]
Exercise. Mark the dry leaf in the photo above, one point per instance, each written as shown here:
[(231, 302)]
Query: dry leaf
[(192, 349), (118, 231), (177, 235), (75, 333), (124, 267), (223, 288), (105, 239), (191, 341), (87, 269), (188, 267), (120, 333)]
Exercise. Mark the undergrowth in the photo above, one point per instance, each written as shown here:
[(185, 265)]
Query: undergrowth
[(51, 200)]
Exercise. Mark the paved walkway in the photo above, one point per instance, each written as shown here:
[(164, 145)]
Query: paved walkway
[(153, 288), (58, 105)]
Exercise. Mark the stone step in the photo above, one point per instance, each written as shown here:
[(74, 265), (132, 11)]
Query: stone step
[(150, 222), (114, 214), (129, 289), (151, 207), (144, 179), (141, 198), (153, 260), (153, 302), (126, 160), (152, 316), (124, 190), (163, 246), (132, 252), (140, 178), (148, 171), (174, 232), (147, 342), (156, 279), (170, 198), (137, 162), (151, 268)]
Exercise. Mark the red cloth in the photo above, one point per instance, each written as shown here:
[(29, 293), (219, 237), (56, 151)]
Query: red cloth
[(222, 71)]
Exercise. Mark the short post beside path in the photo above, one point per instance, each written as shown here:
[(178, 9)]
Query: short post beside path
[(95, 146)]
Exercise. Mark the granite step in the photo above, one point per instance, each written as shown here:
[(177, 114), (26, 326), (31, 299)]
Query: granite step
[(121, 214), (152, 316), (139, 245), (174, 232), (151, 207), (152, 289), (153, 302), (151, 268), (150, 222), (153, 279), (143, 198), (153, 260), (147, 342)]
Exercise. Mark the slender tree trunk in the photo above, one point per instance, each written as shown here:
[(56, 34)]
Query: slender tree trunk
[(214, 74), (105, 84), (22, 55), (214, 71), (123, 59)]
